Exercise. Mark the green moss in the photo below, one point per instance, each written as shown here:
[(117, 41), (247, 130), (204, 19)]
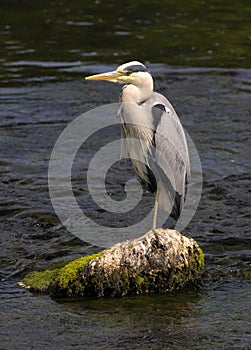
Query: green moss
[(40, 281), (49, 279), (140, 281), (69, 272), (201, 260)]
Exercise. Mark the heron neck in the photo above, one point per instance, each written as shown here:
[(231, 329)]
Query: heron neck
[(132, 93)]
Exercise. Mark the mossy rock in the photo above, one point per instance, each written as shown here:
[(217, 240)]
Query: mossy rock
[(160, 261), (59, 281)]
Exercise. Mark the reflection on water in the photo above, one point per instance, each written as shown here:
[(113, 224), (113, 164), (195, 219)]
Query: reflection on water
[(50, 41), (56, 43)]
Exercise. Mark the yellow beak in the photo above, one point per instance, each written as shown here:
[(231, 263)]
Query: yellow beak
[(111, 76)]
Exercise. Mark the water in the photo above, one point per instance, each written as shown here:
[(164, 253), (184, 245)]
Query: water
[(47, 49), (56, 40)]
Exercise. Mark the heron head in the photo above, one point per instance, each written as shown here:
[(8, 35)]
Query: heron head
[(128, 73)]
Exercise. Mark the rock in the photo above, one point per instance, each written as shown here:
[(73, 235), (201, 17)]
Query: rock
[(160, 261)]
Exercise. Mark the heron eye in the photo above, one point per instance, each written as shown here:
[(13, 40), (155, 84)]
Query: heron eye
[(128, 73)]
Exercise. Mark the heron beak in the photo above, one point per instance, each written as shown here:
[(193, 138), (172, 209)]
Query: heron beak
[(110, 76)]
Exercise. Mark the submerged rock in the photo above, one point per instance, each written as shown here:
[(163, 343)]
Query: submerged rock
[(160, 261)]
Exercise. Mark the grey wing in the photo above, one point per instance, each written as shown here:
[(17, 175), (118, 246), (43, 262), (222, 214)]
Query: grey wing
[(169, 156)]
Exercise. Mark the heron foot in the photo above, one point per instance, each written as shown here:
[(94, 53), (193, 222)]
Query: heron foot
[(156, 234)]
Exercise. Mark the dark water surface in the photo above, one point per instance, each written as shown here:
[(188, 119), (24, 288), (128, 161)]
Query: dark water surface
[(200, 55), (55, 40)]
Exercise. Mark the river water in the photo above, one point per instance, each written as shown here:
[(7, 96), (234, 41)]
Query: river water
[(200, 56)]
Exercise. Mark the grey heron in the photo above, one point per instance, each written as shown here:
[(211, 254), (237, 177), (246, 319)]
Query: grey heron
[(154, 136)]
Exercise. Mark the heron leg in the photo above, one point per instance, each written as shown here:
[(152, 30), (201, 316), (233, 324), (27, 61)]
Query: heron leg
[(155, 210)]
